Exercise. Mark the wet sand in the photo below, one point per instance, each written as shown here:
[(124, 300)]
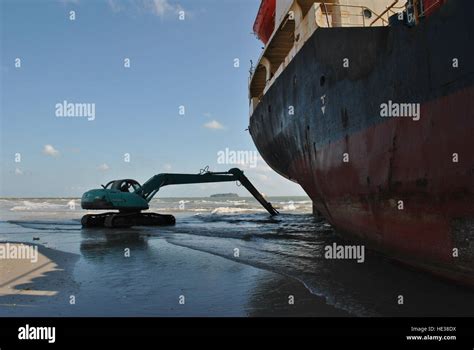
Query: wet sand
[(195, 259), (40, 276), (156, 279)]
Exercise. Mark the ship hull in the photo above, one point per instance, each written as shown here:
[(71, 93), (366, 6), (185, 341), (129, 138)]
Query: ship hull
[(404, 187)]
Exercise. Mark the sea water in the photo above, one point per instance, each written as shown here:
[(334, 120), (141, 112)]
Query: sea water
[(291, 244)]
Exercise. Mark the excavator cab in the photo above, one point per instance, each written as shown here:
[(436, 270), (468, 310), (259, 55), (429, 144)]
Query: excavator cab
[(126, 185), (122, 195)]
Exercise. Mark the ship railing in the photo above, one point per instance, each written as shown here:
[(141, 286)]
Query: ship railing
[(362, 17), (388, 11), (322, 14)]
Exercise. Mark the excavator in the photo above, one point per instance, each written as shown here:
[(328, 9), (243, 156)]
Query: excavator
[(130, 198)]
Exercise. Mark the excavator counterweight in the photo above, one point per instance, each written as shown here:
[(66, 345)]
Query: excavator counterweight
[(130, 198)]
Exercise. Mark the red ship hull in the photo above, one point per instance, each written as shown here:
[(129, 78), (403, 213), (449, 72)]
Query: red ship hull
[(438, 212), (407, 187)]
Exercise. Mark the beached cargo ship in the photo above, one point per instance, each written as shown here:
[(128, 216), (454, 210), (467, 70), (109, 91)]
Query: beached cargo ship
[(369, 106)]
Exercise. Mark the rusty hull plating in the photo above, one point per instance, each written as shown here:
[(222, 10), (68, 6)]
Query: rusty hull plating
[(403, 187)]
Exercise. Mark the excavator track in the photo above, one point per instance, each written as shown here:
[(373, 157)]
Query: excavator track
[(94, 220), (154, 219), (124, 220)]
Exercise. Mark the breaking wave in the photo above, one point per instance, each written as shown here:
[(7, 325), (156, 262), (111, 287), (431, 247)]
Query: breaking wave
[(229, 210), (42, 206)]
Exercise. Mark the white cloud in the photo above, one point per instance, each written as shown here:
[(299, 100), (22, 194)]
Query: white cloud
[(167, 167), (18, 171), (214, 125), (160, 8), (115, 6), (163, 7), (50, 151), (103, 167)]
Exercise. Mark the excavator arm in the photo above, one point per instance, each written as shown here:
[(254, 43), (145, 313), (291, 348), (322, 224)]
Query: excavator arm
[(153, 185)]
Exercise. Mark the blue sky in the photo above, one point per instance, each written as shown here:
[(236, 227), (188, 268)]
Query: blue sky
[(173, 63)]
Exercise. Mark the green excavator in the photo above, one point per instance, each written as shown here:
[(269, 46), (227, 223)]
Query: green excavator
[(130, 198)]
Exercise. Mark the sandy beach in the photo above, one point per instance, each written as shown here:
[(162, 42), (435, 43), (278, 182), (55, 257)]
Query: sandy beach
[(24, 282), (177, 282), (18, 274)]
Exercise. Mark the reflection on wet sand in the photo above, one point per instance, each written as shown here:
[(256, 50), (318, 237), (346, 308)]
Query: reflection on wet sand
[(99, 242)]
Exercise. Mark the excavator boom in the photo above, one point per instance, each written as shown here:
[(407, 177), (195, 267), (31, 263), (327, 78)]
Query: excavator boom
[(153, 185)]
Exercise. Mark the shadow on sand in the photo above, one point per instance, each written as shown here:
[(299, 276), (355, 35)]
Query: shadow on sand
[(27, 287)]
